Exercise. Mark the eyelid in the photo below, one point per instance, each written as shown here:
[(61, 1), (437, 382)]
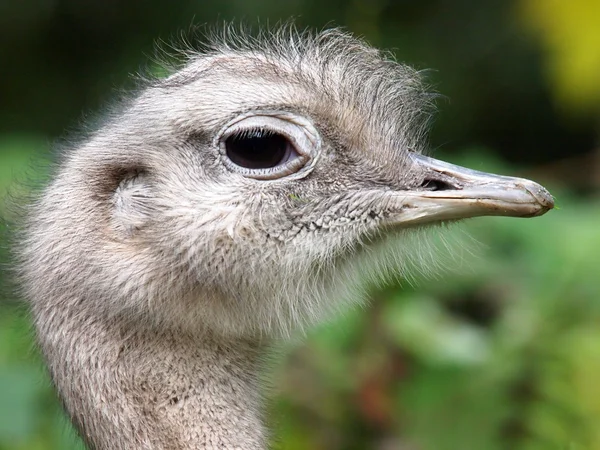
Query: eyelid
[(301, 133)]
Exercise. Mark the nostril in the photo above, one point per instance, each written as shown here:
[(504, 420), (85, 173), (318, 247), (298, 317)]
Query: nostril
[(436, 185)]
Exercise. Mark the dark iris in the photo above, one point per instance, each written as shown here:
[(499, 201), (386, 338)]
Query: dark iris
[(257, 149)]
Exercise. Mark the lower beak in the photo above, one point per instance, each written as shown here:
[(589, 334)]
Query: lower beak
[(451, 192)]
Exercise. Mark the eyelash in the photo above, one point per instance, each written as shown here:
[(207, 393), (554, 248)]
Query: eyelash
[(255, 133)]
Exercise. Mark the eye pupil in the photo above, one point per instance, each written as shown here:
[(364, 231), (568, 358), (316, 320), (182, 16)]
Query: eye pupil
[(258, 149)]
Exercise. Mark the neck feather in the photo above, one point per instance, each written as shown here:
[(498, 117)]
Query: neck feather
[(127, 388)]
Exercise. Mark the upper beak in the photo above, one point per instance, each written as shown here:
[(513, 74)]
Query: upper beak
[(452, 192)]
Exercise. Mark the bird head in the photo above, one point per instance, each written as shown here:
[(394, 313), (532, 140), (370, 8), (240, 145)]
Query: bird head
[(247, 192)]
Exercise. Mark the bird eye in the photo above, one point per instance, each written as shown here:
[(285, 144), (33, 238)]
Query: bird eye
[(268, 147), (259, 149)]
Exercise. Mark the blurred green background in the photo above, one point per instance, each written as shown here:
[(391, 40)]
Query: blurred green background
[(502, 349)]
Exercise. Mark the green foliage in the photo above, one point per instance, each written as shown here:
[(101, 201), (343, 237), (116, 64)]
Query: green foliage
[(30, 417), (570, 34)]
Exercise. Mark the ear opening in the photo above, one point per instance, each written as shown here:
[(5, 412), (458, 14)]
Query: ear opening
[(132, 202)]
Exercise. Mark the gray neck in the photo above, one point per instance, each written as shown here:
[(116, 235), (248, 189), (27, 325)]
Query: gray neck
[(132, 390)]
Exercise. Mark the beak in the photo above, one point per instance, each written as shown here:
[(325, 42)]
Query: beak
[(451, 192)]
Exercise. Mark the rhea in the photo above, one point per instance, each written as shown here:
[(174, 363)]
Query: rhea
[(233, 203)]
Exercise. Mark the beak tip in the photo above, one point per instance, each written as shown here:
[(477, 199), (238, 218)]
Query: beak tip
[(545, 201)]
